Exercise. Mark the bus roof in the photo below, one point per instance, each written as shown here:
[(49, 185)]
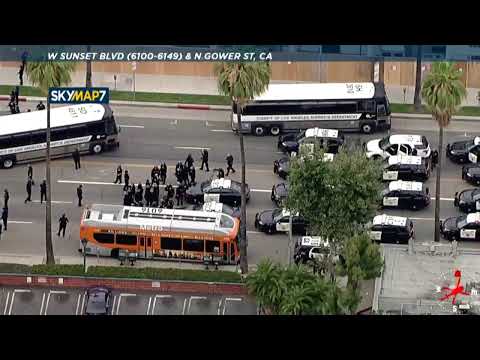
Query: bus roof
[(160, 219), (318, 91), (61, 116)]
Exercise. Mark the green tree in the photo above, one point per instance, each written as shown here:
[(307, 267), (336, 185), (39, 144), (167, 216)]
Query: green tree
[(443, 92), (45, 75), (363, 261), (242, 81), (337, 198)]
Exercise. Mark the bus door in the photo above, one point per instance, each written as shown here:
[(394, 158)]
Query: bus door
[(145, 247)]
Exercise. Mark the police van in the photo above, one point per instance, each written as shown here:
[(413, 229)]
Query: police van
[(405, 167), (328, 139), (405, 195), (416, 145), (309, 248), (464, 227), (388, 229)]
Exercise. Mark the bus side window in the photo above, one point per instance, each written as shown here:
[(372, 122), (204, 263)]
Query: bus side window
[(97, 128), (4, 142), (232, 252), (381, 110), (59, 134), (20, 140), (121, 239), (77, 131), (225, 249), (37, 137), (211, 245), (103, 238)]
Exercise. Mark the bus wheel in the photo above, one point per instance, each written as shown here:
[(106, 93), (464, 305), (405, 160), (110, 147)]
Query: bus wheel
[(96, 149), (7, 163), (259, 130), (275, 130), (366, 128)]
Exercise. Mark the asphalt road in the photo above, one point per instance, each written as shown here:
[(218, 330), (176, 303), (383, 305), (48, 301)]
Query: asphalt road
[(152, 135), (51, 301)]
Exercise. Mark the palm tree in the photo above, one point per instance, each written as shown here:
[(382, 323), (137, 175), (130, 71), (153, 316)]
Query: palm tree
[(45, 75), (88, 75), (242, 81), (443, 91), (417, 101), (266, 285)]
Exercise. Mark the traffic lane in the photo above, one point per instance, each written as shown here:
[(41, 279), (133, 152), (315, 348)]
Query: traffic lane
[(122, 112)]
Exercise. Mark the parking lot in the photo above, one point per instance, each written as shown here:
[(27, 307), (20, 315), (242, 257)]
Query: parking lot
[(36, 301)]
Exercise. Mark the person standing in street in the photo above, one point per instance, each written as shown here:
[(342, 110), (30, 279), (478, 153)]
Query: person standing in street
[(204, 160), (63, 225), (20, 74), (163, 173), (156, 194), (147, 192), (119, 175), (434, 159), (230, 164), (5, 217), (126, 177), (189, 161), (192, 175), (29, 191), (80, 194), (179, 194), (76, 159), (43, 191), (6, 197), (30, 174)]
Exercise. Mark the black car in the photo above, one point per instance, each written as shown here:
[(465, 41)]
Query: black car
[(220, 190), (277, 220), (281, 167), (405, 195), (388, 229), (468, 200), (464, 227), (471, 173), (327, 139), (218, 207), (279, 193), (98, 301), (407, 168), (458, 151)]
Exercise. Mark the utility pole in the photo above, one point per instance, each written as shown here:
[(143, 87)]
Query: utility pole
[(48, 215)]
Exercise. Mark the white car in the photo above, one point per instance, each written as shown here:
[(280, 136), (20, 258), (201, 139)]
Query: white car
[(416, 145)]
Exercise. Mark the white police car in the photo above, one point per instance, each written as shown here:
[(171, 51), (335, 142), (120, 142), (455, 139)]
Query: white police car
[(405, 195), (416, 145), (308, 248), (213, 206), (327, 139), (464, 227), (391, 229), (278, 220), (405, 167)]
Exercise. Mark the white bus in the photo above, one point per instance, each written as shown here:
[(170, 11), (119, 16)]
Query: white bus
[(292, 107), (89, 127)]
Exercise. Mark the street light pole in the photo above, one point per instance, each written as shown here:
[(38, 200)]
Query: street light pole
[(84, 243), (48, 216)]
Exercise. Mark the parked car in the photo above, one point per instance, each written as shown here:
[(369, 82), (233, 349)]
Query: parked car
[(278, 220), (471, 173), (458, 151), (221, 190), (468, 200), (328, 139), (279, 193), (98, 301)]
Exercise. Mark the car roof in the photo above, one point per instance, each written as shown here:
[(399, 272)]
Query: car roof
[(404, 160), (385, 219), (221, 183), (406, 139), (473, 218), (318, 132), (405, 185)]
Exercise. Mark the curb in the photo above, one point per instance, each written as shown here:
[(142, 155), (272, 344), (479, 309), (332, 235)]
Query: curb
[(429, 117), (7, 98)]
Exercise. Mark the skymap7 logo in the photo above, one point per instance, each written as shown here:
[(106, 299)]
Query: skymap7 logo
[(78, 95)]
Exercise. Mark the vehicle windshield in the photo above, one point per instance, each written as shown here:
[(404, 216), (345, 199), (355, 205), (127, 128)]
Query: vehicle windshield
[(461, 221), (476, 194), (277, 214), (384, 143)]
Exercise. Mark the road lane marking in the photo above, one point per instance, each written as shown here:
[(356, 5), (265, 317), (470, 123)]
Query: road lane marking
[(254, 232), (48, 298), (444, 199), (184, 305), (78, 304), (194, 298), (190, 148), (120, 299), (225, 303), (221, 130), (55, 202), (422, 219), (43, 303), (133, 126), (261, 190), (19, 222), (149, 304), (6, 303)]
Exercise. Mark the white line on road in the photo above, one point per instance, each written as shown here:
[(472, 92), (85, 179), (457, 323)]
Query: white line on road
[(254, 232), (78, 304), (19, 222), (221, 130), (6, 303), (422, 219), (133, 126), (43, 303), (87, 182), (190, 148), (55, 202), (261, 190), (444, 199), (149, 304)]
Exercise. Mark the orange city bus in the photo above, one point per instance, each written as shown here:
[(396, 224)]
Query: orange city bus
[(156, 233)]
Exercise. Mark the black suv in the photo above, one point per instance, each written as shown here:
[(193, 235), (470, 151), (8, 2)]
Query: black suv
[(279, 193), (278, 220), (471, 173), (468, 200), (391, 229), (219, 190), (405, 195), (458, 151), (327, 139), (464, 227), (407, 168)]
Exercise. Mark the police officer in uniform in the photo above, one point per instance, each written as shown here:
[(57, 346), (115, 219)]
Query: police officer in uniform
[(192, 175), (40, 106), (80, 194), (29, 191), (6, 197), (179, 194), (63, 225), (119, 175), (179, 172), (189, 161), (76, 159), (30, 173), (163, 173), (230, 164), (43, 191), (127, 179), (5, 217), (147, 192), (204, 160), (156, 194)]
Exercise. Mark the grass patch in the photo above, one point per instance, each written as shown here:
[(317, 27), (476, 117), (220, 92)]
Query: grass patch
[(133, 273), (14, 269), (409, 108), (24, 90)]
